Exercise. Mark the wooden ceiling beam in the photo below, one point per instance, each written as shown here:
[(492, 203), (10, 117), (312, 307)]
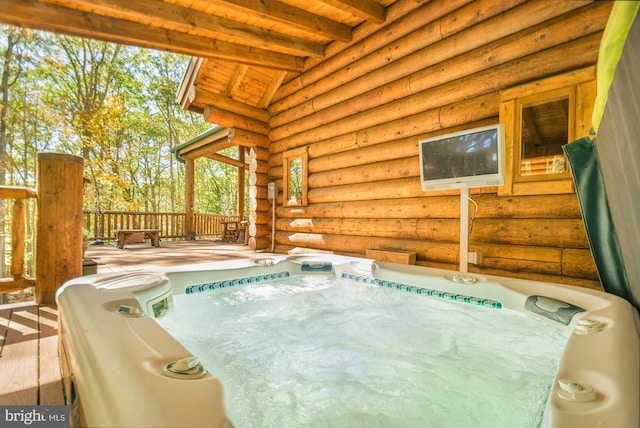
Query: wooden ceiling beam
[(192, 21), (365, 9), (225, 159), (236, 78), (290, 15), (205, 150), (209, 98), (271, 90), (48, 17), (230, 119)]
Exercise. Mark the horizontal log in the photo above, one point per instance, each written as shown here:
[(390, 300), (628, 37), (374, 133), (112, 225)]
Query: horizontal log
[(443, 206), (579, 263), (532, 276), (375, 88), (261, 217), (259, 243), (436, 251), (259, 166), (260, 230), (259, 204), (428, 14), (400, 20), (10, 285), (225, 103), (259, 153), (259, 179), (248, 139), (405, 147), (390, 189), (564, 233), (424, 122), (230, 119), (520, 258), (395, 80), (388, 119), (531, 206), (560, 263), (436, 207), (258, 192), (422, 38), (403, 118), (428, 229), (388, 170), (17, 192)]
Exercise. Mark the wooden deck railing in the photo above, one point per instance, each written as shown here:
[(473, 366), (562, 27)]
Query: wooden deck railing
[(103, 224), (18, 281)]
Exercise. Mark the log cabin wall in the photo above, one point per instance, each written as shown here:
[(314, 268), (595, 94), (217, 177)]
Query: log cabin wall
[(430, 69)]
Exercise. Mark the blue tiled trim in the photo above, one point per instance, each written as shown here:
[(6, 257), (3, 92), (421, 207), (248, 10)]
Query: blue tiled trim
[(199, 288), (424, 291)]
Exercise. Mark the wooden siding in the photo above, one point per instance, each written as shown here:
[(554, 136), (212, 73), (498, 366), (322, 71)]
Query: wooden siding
[(435, 69)]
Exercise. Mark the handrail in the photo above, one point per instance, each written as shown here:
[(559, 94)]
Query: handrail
[(18, 281), (102, 225)]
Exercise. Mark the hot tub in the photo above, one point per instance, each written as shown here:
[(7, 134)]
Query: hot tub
[(122, 368)]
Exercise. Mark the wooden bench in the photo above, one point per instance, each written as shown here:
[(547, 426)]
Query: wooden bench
[(123, 234)]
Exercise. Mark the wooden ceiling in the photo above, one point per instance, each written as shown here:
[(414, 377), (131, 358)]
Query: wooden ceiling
[(245, 48)]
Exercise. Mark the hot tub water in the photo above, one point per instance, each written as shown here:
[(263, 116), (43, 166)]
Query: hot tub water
[(312, 350)]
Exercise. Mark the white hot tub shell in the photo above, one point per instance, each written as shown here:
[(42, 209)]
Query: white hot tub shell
[(115, 355)]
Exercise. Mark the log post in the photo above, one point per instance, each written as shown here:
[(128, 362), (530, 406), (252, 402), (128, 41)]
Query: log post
[(59, 228), (189, 198), (17, 239)]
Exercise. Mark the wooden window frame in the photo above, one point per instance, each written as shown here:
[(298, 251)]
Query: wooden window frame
[(287, 158), (579, 87)]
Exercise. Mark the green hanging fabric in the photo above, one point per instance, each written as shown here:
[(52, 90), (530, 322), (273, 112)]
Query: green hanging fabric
[(597, 217)]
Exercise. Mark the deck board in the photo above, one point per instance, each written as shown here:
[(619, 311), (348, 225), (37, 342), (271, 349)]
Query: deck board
[(50, 380), (19, 357)]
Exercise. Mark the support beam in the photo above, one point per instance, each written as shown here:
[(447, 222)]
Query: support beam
[(59, 228), (42, 16), (189, 197), (277, 11), (365, 9), (209, 98), (188, 20), (241, 182), (229, 119)]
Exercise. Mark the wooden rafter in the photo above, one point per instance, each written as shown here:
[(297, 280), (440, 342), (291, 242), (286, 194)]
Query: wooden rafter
[(225, 159), (35, 14), (289, 15), (236, 79), (365, 9), (209, 98), (175, 17)]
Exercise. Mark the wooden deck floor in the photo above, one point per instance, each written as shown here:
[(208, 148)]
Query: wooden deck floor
[(29, 364), (169, 253), (29, 368)]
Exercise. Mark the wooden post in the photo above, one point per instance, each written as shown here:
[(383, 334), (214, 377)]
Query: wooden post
[(241, 183), (59, 229), (17, 239), (189, 198)]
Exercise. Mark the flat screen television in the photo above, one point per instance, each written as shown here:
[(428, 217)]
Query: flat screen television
[(466, 159)]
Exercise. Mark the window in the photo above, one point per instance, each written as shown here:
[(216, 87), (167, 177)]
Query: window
[(544, 125), (294, 180), (540, 118)]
